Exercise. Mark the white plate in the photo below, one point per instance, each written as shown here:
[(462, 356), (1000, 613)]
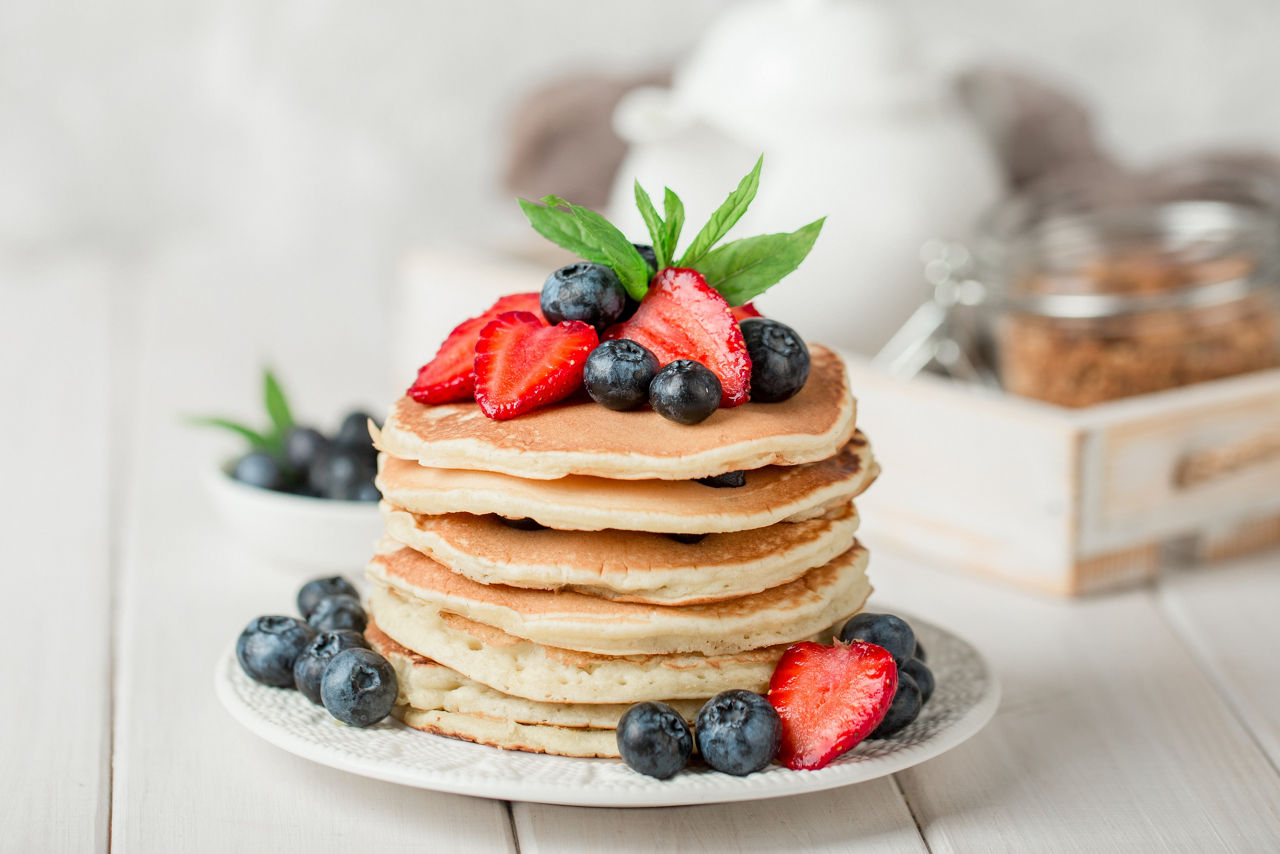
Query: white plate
[(964, 700)]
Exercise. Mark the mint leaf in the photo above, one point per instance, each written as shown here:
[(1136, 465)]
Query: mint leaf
[(592, 237), (673, 224), (729, 212), (256, 439), (744, 269), (276, 404), (657, 229)]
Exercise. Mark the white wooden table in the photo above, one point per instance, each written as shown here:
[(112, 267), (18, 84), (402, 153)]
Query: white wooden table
[(1147, 721)]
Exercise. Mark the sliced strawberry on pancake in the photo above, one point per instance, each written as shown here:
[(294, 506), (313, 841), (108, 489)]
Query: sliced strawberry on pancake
[(450, 376), (521, 363)]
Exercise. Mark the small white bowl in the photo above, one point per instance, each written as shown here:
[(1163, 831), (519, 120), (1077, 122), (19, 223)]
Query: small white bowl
[(317, 534)]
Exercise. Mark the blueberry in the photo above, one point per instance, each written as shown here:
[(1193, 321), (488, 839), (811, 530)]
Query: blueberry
[(359, 687), (342, 472), (920, 654), (730, 479), (317, 654), (320, 588), (654, 739), (338, 612), (617, 374), (260, 469), (779, 359), (884, 630), (522, 524), (588, 292), (903, 710), (687, 539), (302, 445), (922, 676), (354, 432), (685, 391), (269, 646), (646, 252), (738, 732)]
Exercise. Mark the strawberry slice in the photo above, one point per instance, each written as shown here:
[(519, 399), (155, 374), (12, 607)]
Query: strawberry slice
[(742, 312), (450, 376), (830, 698), (682, 317), (521, 363)]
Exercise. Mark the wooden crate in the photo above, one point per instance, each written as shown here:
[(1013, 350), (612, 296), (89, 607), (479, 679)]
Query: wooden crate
[(1071, 501)]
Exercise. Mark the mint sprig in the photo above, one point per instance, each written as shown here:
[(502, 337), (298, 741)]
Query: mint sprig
[(740, 271), (278, 411)]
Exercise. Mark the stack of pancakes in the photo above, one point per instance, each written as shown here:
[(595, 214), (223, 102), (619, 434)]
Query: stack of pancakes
[(539, 575)]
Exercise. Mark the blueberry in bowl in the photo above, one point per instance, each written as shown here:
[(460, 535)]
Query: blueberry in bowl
[(297, 495)]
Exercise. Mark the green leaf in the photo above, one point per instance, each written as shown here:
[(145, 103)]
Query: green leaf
[(256, 439), (729, 212), (673, 223), (277, 405), (657, 229), (592, 237), (744, 269)]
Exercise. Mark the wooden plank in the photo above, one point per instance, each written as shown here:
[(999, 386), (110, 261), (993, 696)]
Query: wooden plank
[(869, 817), (1226, 614), (187, 777), (1110, 736), (55, 671)]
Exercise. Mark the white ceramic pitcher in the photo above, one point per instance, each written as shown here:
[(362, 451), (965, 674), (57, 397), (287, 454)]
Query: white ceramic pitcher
[(852, 127)]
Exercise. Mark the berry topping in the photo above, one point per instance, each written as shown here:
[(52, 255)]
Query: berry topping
[(738, 732), (730, 480), (923, 676), (884, 630), (646, 252), (779, 359), (618, 373), (450, 376), (688, 539), (685, 391), (260, 469), (338, 612), (742, 312), (588, 292), (654, 740), (829, 698), (522, 364), (319, 588), (920, 653), (316, 655), (269, 646), (359, 687), (681, 317), (903, 710)]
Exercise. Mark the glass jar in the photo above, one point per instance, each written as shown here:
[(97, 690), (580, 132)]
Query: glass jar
[(1093, 292)]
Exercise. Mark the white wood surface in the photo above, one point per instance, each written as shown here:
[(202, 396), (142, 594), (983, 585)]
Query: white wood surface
[(1140, 722)]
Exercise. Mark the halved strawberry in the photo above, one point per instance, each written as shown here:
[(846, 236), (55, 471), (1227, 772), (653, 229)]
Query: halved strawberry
[(450, 376), (682, 317), (742, 312), (830, 698), (521, 363)]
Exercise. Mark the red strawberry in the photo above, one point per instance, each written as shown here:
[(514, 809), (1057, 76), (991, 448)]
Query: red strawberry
[(742, 312), (521, 363), (682, 317), (830, 698), (450, 376)]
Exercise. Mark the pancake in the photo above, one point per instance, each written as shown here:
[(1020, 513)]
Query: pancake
[(436, 699), (549, 674), (627, 566), (588, 439), (584, 623), (583, 503)]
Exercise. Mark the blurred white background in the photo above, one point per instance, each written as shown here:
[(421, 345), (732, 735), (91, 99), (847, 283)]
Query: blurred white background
[(220, 147)]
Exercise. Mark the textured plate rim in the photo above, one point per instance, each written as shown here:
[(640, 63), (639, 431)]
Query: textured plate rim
[(705, 788)]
